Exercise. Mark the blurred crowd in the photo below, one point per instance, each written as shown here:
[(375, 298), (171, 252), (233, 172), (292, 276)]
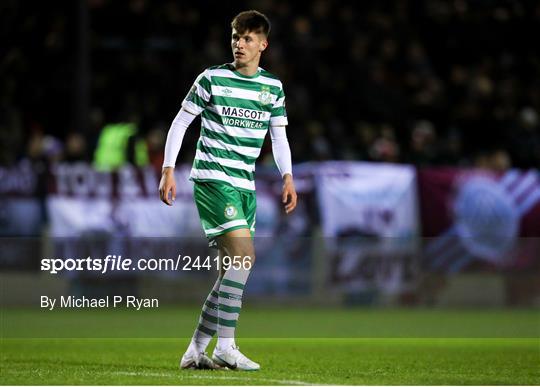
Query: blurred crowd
[(430, 82)]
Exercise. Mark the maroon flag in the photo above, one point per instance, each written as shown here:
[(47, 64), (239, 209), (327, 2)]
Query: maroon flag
[(474, 218)]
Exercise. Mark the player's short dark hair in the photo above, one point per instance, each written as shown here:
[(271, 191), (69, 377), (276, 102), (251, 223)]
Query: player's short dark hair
[(251, 21)]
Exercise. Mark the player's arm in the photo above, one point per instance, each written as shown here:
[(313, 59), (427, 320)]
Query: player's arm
[(282, 157), (193, 105), (172, 147)]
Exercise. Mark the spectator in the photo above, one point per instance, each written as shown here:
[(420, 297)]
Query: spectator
[(448, 76)]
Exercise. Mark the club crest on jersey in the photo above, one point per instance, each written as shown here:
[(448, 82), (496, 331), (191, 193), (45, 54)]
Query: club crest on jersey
[(264, 96), (230, 211)]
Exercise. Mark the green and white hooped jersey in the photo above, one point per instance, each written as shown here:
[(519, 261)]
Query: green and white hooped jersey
[(237, 111)]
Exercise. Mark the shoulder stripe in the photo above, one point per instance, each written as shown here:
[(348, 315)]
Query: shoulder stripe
[(280, 111), (192, 107), (279, 102), (270, 81), (205, 84)]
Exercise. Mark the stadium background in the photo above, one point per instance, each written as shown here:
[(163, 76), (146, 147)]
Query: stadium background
[(414, 130)]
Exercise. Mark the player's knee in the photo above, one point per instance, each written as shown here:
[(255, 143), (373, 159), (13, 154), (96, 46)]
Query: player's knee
[(250, 258), (237, 247), (246, 255)]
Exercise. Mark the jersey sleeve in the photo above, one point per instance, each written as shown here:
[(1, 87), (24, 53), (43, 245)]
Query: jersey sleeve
[(279, 114), (199, 94)]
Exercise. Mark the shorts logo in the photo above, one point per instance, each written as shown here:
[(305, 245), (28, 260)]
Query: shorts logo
[(230, 211), (264, 96)]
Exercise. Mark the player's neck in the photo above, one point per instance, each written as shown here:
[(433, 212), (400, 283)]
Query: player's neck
[(249, 69)]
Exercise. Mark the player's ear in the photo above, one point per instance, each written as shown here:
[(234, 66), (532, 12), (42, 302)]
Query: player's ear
[(263, 45)]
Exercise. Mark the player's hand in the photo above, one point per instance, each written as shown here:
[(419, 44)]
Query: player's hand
[(166, 185), (288, 197)]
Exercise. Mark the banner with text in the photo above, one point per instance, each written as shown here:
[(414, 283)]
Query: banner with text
[(369, 216)]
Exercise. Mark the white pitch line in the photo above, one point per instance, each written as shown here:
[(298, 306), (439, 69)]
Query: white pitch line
[(217, 377)]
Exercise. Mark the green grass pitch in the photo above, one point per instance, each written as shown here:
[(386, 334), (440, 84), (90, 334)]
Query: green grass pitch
[(294, 347)]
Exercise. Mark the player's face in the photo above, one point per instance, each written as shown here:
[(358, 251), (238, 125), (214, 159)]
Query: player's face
[(247, 47)]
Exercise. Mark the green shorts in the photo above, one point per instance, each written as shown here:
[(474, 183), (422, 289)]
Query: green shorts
[(223, 208)]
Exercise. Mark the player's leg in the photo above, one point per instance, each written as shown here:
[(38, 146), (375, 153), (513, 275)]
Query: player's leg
[(195, 356), (238, 246), (222, 211), (207, 327)]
